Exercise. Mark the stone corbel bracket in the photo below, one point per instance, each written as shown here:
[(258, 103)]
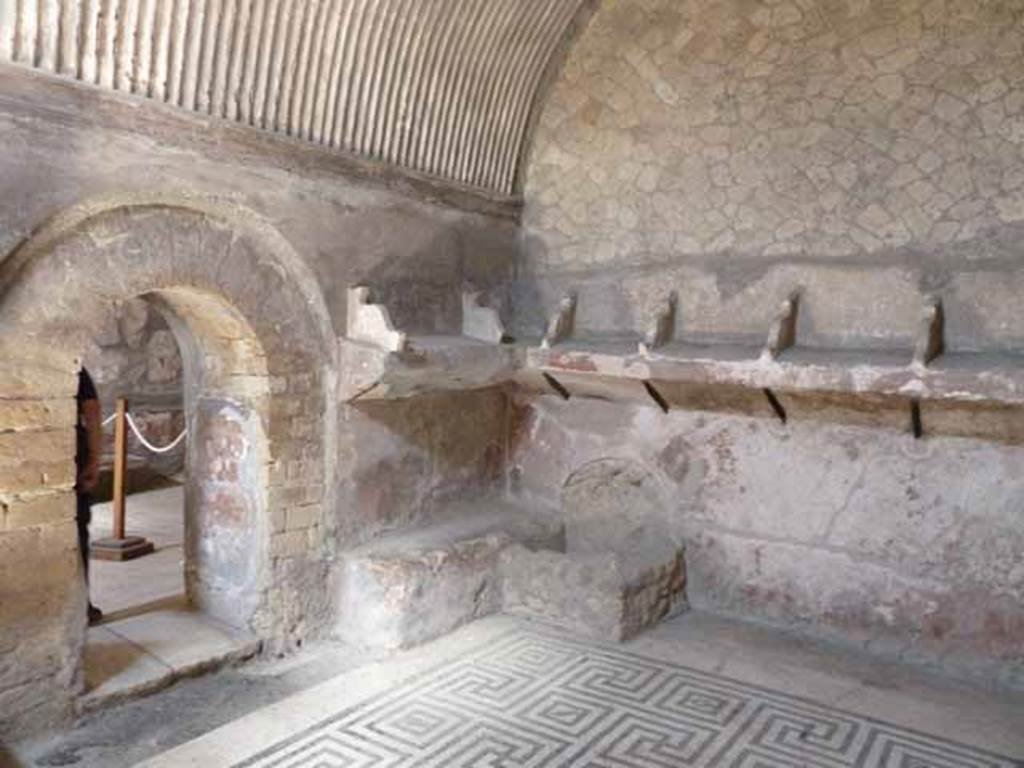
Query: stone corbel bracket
[(562, 323), (371, 323), (931, 333), (782, 334), (480, 322), (663, 330)]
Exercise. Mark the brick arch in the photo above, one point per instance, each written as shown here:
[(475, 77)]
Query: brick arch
[(257, 344)]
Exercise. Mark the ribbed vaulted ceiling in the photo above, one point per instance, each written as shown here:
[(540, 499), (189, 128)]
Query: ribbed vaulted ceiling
[(445, 87)]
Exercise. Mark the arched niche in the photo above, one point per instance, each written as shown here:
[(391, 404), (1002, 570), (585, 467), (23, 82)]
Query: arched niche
[(258, 351)]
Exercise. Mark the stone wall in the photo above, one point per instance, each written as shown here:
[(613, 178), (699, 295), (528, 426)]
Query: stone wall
[(406, 459), (249, 244), (868, 153), (732, 150)]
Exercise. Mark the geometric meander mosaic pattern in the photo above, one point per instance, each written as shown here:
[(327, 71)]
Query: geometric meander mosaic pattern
[(534, 700)]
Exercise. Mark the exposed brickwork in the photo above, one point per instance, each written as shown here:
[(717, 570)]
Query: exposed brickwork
[(229, 294)]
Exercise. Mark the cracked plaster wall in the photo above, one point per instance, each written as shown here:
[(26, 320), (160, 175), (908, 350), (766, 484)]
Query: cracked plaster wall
[(72, 149), (909, 548)]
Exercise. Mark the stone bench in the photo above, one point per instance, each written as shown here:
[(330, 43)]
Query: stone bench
[(412, 586)]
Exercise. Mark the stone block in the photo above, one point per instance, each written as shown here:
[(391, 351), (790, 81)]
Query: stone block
[(300, 518), (37, 510), (623, 569), (16, 415), (34, 707), (42, 613), (278, 520), (33, 460), (36, 563), (34, 369), (35, 653), (597, 594), (289, 544), (408, 588)]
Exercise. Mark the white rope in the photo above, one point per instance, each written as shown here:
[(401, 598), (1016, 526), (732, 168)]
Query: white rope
[(149, 445), (131, 423)]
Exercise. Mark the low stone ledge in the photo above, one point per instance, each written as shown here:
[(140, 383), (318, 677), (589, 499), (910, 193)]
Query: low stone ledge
[(413, 586)]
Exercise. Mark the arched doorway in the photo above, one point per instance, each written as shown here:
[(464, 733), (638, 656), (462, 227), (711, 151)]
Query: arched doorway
[(258, 353)]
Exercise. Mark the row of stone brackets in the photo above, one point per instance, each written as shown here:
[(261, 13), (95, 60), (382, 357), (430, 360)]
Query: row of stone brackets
[(782, 334), (382, 362)]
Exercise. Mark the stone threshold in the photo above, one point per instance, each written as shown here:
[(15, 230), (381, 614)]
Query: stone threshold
[(136, 656)]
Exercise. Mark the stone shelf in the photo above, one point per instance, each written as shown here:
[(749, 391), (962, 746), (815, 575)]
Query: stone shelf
[(773, 378), (426, 364), (380, 362), (690, 375), (686, 375), (749, 376)]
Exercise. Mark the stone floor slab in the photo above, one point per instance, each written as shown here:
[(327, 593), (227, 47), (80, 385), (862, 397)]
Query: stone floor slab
[(122, 588), (115, 667), (141, 654), (184, 640)]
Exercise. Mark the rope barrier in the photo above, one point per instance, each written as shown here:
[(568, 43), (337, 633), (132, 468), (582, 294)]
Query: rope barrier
[(166, 449), (138, 433)]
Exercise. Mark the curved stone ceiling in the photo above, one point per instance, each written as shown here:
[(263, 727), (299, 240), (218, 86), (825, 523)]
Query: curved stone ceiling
[(444, 87)]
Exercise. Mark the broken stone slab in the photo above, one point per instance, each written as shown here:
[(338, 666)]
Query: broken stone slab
[(410, 587), (596, 594)]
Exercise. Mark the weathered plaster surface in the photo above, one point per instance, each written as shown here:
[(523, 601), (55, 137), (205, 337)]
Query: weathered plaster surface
[(414, 254), (401, 462), (250, 261), (864, 534), (866, 152)]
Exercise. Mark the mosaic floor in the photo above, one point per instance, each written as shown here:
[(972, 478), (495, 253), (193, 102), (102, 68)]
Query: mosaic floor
[(534, 700)]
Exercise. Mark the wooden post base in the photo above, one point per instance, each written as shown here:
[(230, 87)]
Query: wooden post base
[(127, 548)]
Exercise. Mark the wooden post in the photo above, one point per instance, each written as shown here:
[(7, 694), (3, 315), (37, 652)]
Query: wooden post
[(120, 465), (121, 546)]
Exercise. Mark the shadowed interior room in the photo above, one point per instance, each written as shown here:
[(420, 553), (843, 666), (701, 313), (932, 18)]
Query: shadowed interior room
[(585, 383)]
